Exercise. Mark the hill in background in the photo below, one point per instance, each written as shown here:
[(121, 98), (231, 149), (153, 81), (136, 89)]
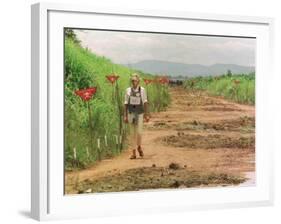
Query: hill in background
[(189, 70)]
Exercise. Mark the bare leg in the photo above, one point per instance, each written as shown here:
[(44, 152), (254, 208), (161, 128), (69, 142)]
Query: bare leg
[(139, 139), (135, 134), (139, 148), (139, 136), (134, 140)]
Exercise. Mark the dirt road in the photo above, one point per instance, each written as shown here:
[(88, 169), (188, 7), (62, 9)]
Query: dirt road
[(200, 140)]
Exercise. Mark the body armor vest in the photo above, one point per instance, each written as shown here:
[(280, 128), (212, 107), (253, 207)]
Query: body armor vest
[(135, 104)]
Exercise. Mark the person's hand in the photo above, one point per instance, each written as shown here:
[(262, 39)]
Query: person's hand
[(126, 119), (146, 118)]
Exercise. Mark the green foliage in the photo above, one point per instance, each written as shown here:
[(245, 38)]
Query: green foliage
[(238, 87), (84, 69), (229, 73), (69, 33)]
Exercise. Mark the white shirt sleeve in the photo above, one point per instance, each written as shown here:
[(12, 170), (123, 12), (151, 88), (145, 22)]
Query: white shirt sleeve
[(144, 95), (127, 94)]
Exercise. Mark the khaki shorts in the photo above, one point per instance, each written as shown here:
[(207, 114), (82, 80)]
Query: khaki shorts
[(138, 121)]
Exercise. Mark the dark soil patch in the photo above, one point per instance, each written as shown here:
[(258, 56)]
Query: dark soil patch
[(221, 108), (246, 124), (155, 178), (160, 125), (174, 166), (209, 141), (199, 100)]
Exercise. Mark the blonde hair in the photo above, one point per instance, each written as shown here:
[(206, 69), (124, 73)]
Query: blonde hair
[(135, 75)]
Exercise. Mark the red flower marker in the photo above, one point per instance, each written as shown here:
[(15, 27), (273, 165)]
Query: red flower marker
[(86, 94), (163, 80), (147, 81), (112, 78)]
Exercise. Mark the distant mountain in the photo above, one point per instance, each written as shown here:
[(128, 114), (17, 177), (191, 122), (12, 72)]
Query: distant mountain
[(176, 69)]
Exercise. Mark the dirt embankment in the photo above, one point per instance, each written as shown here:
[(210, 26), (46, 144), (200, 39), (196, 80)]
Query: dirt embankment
[(211, 141)]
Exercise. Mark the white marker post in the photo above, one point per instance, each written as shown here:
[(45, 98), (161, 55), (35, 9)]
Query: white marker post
[(98, 143), (74, 153), (99, 152), (87, 151), (105, 140), (117, 145)]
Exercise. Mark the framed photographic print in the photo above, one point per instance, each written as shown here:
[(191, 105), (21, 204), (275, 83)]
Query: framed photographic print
[(137, 111)]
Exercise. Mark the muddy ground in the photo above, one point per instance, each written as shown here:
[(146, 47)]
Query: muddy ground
[(210, 141), (155, 178)]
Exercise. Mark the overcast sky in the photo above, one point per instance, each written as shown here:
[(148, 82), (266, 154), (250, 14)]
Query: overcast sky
[(131, 47)]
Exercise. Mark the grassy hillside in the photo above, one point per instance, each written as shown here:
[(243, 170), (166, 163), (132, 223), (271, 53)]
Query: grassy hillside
[(84, 69), (239, 88), (175, 68)]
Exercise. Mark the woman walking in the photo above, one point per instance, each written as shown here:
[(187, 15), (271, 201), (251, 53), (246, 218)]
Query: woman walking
[(136, 110)]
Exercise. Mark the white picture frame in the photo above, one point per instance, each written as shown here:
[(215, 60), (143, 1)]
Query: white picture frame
[(47, 198)]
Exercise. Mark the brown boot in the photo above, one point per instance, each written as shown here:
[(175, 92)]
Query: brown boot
[(140, 151), (133, 156)]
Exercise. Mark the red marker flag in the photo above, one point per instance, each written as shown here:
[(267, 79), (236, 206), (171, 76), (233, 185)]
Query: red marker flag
[(112, 78), (86, 94)]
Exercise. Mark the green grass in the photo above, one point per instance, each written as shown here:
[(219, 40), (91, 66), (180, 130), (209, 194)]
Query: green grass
[(85, 69), (227, 86)]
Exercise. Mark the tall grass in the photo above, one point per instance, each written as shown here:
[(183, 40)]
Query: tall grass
[(239, 88), (82, 70)]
